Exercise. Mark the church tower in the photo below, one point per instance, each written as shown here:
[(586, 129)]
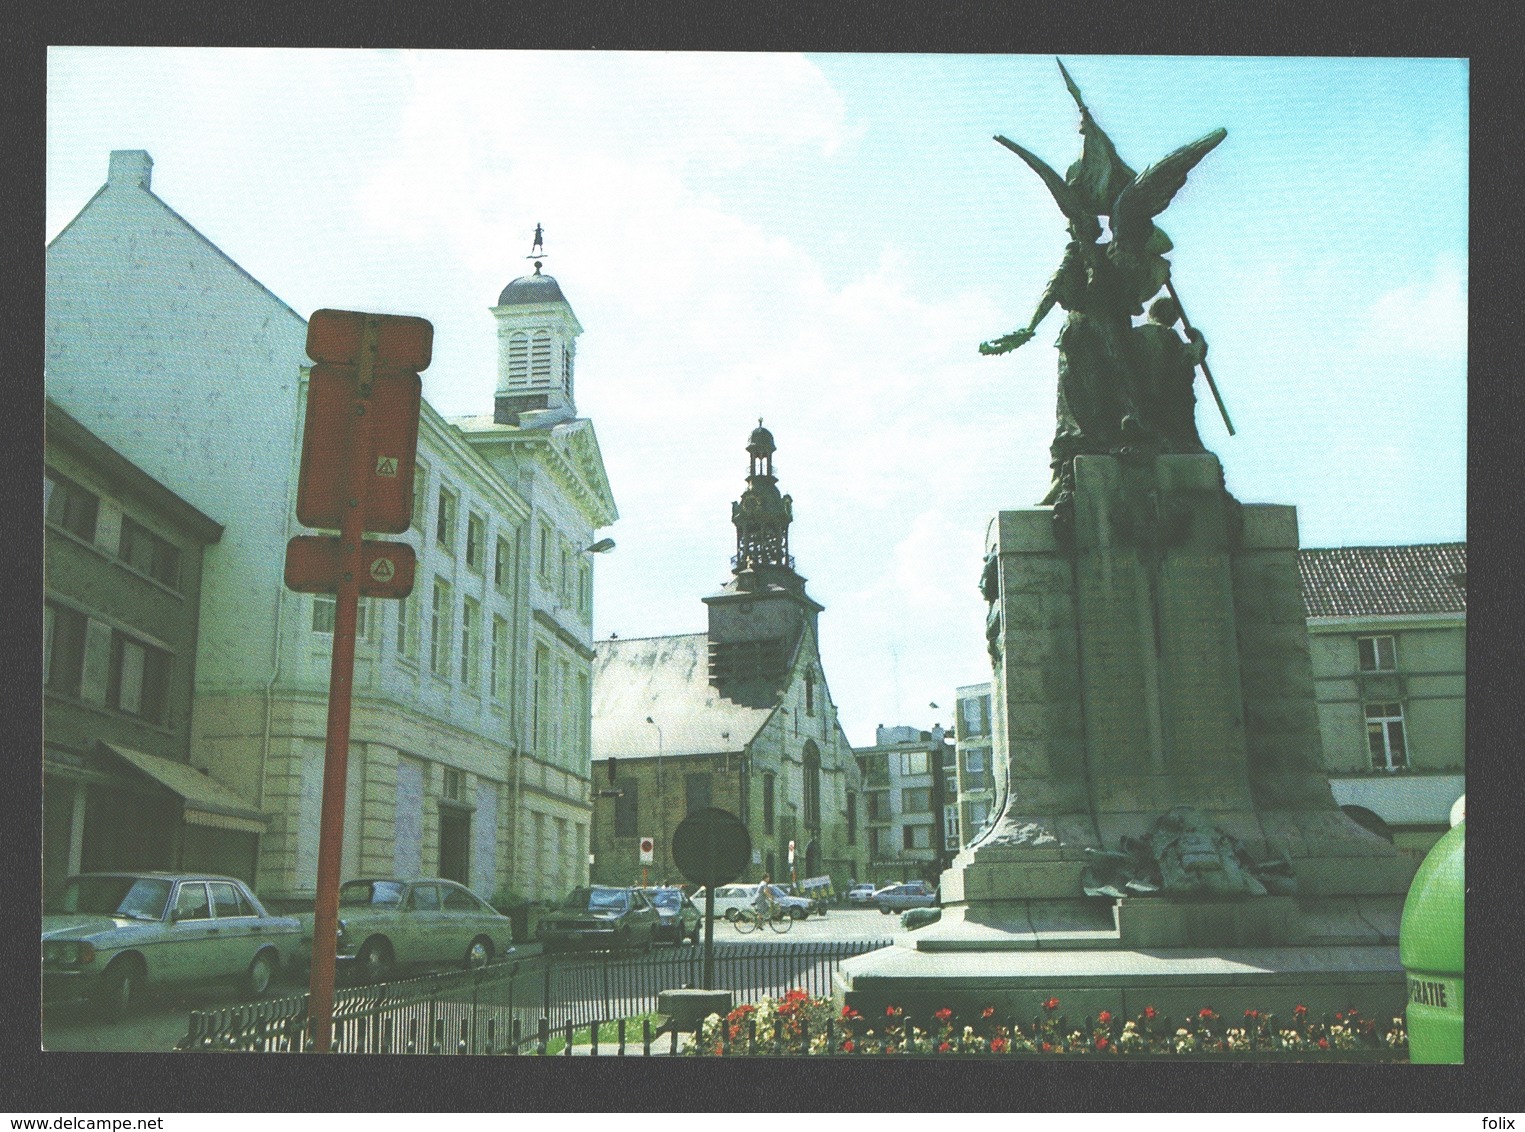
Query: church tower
[(759, 617), (537, 349)]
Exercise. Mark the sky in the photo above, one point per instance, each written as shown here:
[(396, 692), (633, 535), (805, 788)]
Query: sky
[(823, 241)]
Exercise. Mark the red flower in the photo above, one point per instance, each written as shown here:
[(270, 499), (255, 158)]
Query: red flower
[(1150, 1012), (847, 1046), (1048, 1047), (1104, 1017), (849, 1012), (1206, 1012), (1323, 1043), (944, 1048), (999, 1045), (1300, 1010), (1338, 1017), (1252, 1014), (943, 1015), (987, 1012), (1051, 1004), (1101, 1043)]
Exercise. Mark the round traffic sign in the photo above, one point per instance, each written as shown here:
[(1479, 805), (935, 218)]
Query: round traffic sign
[(711, 847)]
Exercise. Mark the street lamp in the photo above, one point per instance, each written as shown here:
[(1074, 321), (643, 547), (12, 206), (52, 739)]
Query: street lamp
[(661, 797), (602, 546)]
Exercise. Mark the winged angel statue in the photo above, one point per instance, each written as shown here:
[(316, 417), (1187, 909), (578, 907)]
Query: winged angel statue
[(1110, 375)]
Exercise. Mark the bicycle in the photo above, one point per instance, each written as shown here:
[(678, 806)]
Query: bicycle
[(751, 919)]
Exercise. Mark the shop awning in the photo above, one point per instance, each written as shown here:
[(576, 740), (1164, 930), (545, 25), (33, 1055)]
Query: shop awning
[(207, 801)]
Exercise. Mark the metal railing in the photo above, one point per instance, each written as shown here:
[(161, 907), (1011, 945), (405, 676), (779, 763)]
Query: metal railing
[(513, 1006)]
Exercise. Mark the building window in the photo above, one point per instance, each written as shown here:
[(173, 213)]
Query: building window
[(471, 620), (519, 359), (809, 691), (768, 803), (913, 762), (881, 843), (566, 369), (696, 792), (499, 658), (625, 809), (407, 627), (916, 836), (503, 565), (450, 787), (540, 358), (584, 720), (540, 725), (564, 572), (950, 827), (63, 648), (440, 630), (584, 589), (543, 552), (420, 494), (1377, 654), (146, 552), (70, 506), (916, 800), (878, 805), (138, 682), (978, 813), (476, 536), (974, 762), (852, 818), (1384, 736), (444, 520), (326, 606), (975, 712), (812, 786)]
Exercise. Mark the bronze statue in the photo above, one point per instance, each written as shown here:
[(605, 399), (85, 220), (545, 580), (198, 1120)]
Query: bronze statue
[(1102, 287), (1165, 369)]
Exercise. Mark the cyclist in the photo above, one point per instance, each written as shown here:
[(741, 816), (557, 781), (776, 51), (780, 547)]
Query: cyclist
[(763, 902)]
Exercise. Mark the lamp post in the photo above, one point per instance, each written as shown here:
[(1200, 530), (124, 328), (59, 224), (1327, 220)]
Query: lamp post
[(661, 797)]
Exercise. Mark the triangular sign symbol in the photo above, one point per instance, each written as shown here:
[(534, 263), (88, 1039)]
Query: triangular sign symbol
[(382, 570)]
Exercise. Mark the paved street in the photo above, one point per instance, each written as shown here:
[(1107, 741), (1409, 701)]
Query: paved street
[(159, 1020)]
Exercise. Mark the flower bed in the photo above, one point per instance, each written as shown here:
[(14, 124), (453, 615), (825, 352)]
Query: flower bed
[(800, 1024)]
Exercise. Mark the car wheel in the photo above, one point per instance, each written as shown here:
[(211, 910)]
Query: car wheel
[(374, 961), (885, 909), (261, 971), (479, 954), (797, 913), (120, 987), (731, 914)]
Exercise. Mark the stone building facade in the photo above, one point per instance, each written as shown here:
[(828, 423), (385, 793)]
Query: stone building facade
[(1387, 630), (465, 760), (738, 717), (976, 790)]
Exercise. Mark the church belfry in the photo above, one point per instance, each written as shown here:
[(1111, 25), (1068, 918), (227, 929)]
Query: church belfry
[(762, 516), (537, 346)]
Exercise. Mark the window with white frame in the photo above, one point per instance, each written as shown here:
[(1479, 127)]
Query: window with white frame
[(519, 359), (584, 589), (440, 629), (1385, 736), (420, 494), (974, 761), (138, 681), (471, 620), (543, 551), (499, 683), (916, 836), (63, 648), (915, 800), (540, 725), (540, 358), (950, 827), (148, 553), (503, 565), (476, 538), (1377, 654), (444, 520), (913, 762), (408, 627), (70, 506), (324, 608)]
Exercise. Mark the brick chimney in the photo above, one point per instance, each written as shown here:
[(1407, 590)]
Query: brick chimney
[(131, 167)]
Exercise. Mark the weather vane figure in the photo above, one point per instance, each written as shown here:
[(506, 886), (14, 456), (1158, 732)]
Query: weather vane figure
[(1117, 389), (537, 248)]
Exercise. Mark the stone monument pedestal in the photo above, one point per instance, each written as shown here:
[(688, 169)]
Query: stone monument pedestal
[(1150, 651)]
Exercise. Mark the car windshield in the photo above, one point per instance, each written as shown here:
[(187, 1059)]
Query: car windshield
[(387, 893), (137, 898), (596, 900), (666, 898)]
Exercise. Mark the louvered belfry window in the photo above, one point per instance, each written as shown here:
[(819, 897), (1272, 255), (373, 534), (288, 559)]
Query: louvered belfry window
[(519, 360), (540, 359)]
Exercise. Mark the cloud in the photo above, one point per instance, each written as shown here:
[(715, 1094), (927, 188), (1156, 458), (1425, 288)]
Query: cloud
[(1426, 317)]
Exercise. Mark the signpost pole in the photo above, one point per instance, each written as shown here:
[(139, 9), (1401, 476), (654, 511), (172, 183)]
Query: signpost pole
[(325, 926), (709, 938)]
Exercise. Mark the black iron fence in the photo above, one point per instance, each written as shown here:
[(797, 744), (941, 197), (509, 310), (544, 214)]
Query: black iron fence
[(516, 1005)]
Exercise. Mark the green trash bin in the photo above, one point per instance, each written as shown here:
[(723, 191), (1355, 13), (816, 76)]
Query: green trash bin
[(1430, 948)]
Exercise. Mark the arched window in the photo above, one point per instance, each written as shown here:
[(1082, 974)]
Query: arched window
[(566, 368), (519, 359), (540, 358), (812, 785)]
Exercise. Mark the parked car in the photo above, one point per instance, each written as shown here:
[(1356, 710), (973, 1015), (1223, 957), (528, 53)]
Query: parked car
[(108, 935), (677, 916), (387, 923), (619, 919), (729, 899), (899, 897), (861, 895)]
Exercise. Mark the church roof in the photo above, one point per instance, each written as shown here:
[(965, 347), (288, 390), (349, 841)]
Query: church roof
[(666, 678), (1363, 581), (534, 288)]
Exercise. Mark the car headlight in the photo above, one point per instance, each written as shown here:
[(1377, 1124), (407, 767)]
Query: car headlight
[(68, 952)]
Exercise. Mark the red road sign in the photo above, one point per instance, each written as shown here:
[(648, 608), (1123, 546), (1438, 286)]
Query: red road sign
[(334, 397), (403, 342), (314, 563)]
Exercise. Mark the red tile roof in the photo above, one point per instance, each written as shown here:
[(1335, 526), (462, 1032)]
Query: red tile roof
[(1356, 581)]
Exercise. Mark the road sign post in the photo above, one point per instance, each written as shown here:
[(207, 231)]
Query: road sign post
[(358, 452)]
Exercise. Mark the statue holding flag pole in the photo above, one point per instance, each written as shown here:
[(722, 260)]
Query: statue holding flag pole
[(1120, 389)]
